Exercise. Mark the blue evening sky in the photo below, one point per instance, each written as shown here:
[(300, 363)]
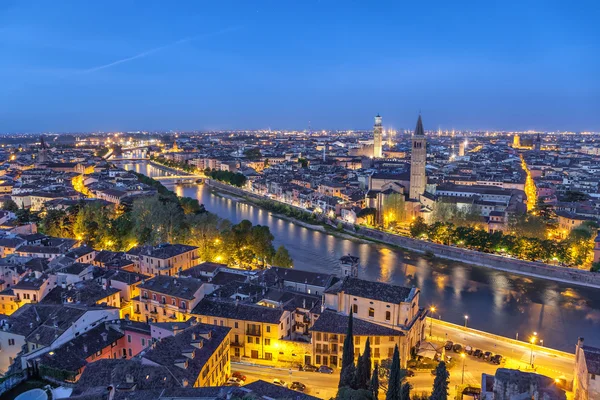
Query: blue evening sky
[(84, 65)]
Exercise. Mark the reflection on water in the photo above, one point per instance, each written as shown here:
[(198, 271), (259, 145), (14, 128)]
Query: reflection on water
[(494, 300)]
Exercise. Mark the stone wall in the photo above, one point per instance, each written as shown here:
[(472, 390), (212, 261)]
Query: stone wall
[(521, 267)]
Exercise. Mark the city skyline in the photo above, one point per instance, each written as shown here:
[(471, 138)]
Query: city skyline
[(243, 66)]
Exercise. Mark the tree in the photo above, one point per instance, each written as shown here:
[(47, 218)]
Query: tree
[(363, 369), (253, 154), (581, 243), (368, 214), (56, 223), (418, 227), (374, 383), (469, 216), (393, 209), (10, 205), (405, 391), (528, 225), (574, 196), (191, 206), (348, 371), (396, 377), (303, 162), (348, 393), (260, 242), (440, 383), (282, 258), (443, 212)]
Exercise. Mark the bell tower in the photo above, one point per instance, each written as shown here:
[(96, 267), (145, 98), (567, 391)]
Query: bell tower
[(418, 159), (377, 137)]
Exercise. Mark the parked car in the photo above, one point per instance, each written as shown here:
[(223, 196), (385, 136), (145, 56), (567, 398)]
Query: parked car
[(239, 376), (449, 345), (309, 368), (279, 382), (468, 350), (233, 382), (497, 359), (301, 387), (324, 369), (457, 348), (433, 372), (478, 353), (410, 372), (487, 355)]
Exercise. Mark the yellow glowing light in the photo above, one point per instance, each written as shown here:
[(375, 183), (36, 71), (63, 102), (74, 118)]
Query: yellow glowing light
[(462, 355), (218, 258), (432, 308)]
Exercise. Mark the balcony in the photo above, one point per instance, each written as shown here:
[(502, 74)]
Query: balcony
[(253, 332), (333, 338), (137, 312), (237, 343)]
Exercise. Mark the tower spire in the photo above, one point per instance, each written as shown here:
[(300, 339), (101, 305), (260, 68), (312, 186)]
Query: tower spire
[(419, 129)]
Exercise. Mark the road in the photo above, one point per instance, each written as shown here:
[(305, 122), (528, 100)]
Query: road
[(319, 385), (518, 356)]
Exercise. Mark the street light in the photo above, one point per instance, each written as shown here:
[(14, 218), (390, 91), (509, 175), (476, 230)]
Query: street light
[(432, 309), (466, 319), (532, 340), (463, 356)]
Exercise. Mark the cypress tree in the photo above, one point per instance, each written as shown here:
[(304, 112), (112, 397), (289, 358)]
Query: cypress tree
[(363, 369), (348, 372), (395, 380), (405, 391), (374, 383), (440, 383)]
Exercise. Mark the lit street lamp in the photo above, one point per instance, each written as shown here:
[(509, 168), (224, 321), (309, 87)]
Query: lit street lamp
[(466, 319), (533, 339), (463, 356), (432, 309)]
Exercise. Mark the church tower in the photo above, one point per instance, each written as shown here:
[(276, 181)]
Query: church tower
[(537, 143), (377, 137), (418, 159)]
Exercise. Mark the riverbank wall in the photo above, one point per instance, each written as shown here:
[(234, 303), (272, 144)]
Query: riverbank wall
[(520, 267), (493, 261)]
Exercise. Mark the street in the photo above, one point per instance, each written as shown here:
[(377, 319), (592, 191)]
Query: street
[(515, 355), (319, 385)]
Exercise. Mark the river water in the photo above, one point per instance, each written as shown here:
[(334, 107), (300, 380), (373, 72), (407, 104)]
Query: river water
[(495, 301)]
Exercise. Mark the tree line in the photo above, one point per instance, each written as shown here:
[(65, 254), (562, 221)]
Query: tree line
[(232, 178), (527, 239), (174, 164)]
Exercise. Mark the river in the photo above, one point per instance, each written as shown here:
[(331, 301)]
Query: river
[(495, 301)]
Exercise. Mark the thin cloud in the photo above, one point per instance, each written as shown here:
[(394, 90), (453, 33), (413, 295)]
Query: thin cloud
[(160, 48)]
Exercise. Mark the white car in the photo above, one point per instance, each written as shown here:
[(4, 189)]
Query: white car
[(279, 382), (233, 381)]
